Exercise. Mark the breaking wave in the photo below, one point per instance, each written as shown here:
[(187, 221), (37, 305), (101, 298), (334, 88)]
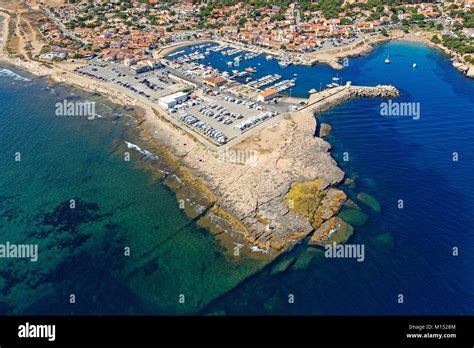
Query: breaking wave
[(15, 76), (147, 154)]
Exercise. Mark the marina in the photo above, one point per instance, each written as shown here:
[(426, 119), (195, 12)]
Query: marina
[(251, 62), (265, 80)]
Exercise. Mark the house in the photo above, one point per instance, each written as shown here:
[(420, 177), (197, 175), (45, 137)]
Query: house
[(267, 95)]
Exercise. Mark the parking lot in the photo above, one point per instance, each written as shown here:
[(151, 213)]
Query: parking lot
[(221, 117), (152, 85)]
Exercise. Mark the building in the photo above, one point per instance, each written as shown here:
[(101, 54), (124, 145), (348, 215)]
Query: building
[(53, 55), (171, 100), (140, 67), (154, 64), (267, 95), (214, 81)]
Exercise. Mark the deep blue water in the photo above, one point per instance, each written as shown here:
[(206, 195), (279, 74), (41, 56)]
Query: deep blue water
[(408, 251)]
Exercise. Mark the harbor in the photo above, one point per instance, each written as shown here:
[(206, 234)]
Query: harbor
[(251, 69)]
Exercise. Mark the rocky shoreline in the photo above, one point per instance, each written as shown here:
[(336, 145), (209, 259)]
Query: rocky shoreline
[(262, 198), (258, 198)]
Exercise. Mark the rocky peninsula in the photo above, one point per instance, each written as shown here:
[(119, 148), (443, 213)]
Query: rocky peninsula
[(280, 192), (287, 190)]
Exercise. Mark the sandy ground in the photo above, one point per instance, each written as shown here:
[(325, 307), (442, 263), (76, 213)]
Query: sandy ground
[(332, 56)]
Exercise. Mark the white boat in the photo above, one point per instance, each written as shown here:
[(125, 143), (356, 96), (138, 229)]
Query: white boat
[(414, 65), (387, 60), (230, 63), (269, 57), (284, 63), (312, 90)]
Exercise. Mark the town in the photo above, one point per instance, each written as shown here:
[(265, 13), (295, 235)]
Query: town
[(141, 48)]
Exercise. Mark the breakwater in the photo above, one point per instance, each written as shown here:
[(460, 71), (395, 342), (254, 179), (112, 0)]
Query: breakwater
[(322, 101)]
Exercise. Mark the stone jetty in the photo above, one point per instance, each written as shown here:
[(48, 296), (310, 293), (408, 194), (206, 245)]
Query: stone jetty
[(322, 101)]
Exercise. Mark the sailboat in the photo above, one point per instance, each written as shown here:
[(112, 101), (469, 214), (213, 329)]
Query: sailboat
[(414, 65), (387, 60)]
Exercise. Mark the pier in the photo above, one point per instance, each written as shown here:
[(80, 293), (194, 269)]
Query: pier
[(321, 101)]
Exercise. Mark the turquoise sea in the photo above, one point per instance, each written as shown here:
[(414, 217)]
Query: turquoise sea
[(123, 204)]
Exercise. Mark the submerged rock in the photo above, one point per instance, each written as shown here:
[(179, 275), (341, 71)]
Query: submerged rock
[(370, 201), (350, 183), (353, 215), (384, 240), (282, 265), (305, 259)]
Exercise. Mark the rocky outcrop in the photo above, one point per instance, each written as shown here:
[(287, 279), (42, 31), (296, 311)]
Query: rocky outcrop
[(315, 201), (470, 72), (324, 130), (464, 68), (333, 230), (289, 163)]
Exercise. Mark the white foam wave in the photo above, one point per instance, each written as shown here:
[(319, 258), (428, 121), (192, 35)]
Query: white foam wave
[(257, 249), (147, 153), (15, 76)]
